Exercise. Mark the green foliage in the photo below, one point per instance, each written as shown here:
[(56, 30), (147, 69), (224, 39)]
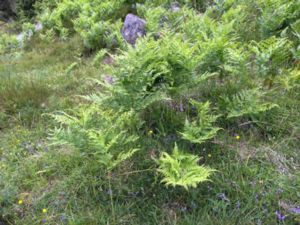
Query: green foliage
[(247, 102), (34, 80), (155, 17), (296, 33), (153, 69), (237, 60), (196, 4), (99, 57), (62, 16), (97, 134), (72, 67), (25, 8), (182, 169), (100, 34), (48, 36), (92, 20), (290, 80), (276, 15), (98, 24), (271, 55), (201, 129), (8, 43)]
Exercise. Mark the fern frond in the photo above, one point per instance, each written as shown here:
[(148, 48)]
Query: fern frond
[(290, 80), (182, 169), (101, 134), (247, 102), (201, 129), (271, 54)]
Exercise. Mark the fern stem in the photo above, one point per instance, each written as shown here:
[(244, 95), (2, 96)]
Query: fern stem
[(136, 171), (111, 198)]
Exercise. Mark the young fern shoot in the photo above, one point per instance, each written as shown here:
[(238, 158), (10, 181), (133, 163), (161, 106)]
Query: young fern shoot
[(182, 169), (200, 129)]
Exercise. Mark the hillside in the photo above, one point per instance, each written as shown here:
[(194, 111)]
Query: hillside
[(150, 112)]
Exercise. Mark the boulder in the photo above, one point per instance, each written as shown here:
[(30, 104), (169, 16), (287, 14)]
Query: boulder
[(5, 5), (133, 28), (7, 9)]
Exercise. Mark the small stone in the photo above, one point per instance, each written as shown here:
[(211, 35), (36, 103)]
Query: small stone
[(175, 7), (38, 27), (109, 79)]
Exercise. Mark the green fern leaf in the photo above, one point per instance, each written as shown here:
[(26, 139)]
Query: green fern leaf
[(182, 169), (247, 102), (201, 129)]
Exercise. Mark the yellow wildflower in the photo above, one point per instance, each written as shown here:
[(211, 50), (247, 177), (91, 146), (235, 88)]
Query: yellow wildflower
[(209, 155), (150, 132), (44, 210), (20, 202), (237, 137)]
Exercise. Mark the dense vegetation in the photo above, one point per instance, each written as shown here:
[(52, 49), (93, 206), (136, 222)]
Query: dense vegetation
[(197, 123)]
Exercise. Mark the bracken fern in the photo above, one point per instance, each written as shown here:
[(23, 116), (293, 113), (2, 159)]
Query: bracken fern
[(182, 169)]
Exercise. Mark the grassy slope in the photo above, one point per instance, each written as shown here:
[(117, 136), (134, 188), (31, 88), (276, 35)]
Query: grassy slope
[(256, 177)]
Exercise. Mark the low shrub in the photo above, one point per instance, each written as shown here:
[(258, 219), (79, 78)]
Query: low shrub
[(8, 43)]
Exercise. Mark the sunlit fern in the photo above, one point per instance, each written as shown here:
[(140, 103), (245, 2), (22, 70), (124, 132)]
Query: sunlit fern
[(182, 169)]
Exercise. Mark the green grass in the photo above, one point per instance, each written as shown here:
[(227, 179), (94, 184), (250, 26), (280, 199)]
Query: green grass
[(255, 177), (256, 156)]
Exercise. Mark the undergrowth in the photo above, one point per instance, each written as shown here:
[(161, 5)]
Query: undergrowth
[(198, 123)]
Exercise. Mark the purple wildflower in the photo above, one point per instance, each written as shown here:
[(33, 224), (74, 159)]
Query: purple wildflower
[(295, 210), (223, 197), (238, 205), (63, 217), (181, 106), (109, 79), (279, 191), (256, 197), (280, 216)]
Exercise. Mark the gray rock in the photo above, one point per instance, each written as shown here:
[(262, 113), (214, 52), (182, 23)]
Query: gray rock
[(175, 7), (7, 9), (26, 35), (20, 37), (133, 28), (38, 27)]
